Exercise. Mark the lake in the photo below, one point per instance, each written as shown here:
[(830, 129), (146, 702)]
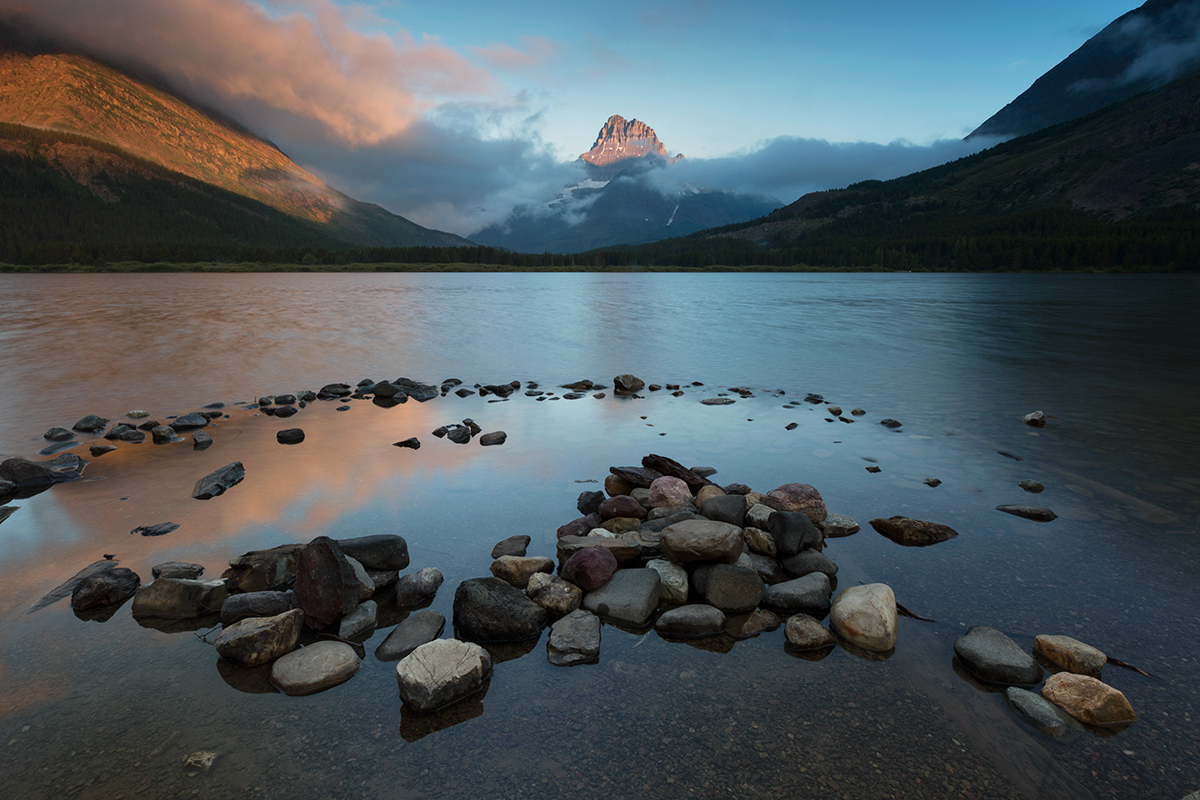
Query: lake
[(111, 708)]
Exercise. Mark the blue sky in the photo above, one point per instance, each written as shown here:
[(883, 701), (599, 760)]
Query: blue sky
[(452, 113)]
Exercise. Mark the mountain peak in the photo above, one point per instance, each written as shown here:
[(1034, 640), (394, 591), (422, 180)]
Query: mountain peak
[(620, 140)]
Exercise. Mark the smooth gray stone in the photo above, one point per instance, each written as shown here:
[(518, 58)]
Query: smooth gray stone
[(697, 619), (631, 595), (318, 666), (702, 540), (442, 672), (807, 562), (1039, 712), (177, 569), (380, 551), (216, 482), (994, 658), (189, 422), (838, 525), (417, 629), (734, 589), (574, 639), (806, 633), (359, 620), (177, 598), (807, 595)]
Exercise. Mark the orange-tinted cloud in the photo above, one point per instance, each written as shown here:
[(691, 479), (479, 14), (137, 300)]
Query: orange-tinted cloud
[(536, 53), (307, 60)]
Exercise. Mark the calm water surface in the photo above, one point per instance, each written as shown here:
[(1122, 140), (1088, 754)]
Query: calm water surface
[(108, 709)]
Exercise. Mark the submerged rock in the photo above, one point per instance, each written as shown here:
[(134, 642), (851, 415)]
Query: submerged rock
[(913, 532), (994, 658), (417, 629), (1040, 713), (215, 483), (1035, 513), (318, 666)]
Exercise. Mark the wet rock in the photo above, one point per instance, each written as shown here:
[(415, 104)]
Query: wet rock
[(518, 569), (806, 633), (589, 568), (262, 570), (290, 436), (318, 666), (574, 639), (890, 423), (92, 423), (256, 604), (327, 587), (390, 391), (671, 468), (257, 640), (622, 505), (201, 440), (807, 562), (615, 485), (718, 401), (734, 589), (858, 412), (635, 476), (104, 588), (380, 551), (382, 577), (98, 450), (189, 422), (757, 515), (758, 621), (794, 532), (490, 610), (865, 616), (494, 438), (412, 443), (580, 526), (366, 586), (28, 474), (1031, 486), (162, 434), (418, 587), (215, 483), (691, 620), (1035, 513), (358, 621), (178, 598), (415, 630), (702, 540), (554, 594), (730, 508), (627, 384), (932, 482), (161, 529), (177, 569), (807, 595), (913, 532), (1035, 419), (1069, 655), (630, 596), (1089, 700), (674, 580), (332, 390), (994, 658), (440, 673), (58, 434), (669, 491), (767, 568), (1040, 713), (797, 497), (512, 546), (838, 525)]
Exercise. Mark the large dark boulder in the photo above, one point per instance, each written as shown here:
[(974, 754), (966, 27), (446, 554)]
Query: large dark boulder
[(92, 423), (327, 586), (380, 551), (189, 422), (729, 508), (262, 570), (28, 474), (104, 588), (178, 598), (490, 610), (257, 640)]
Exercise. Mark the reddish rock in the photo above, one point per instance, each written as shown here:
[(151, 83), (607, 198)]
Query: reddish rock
[(622, 505), (590, 568), (327, 586), (798, 497), (669, 491), (1089, 700), (913, 532), (581, 526)]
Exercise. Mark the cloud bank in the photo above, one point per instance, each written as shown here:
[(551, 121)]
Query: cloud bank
[(407, 123)]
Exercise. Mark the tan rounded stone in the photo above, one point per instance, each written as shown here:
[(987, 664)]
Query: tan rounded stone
[(518, 569), (1070, 655), (1089, 700), (866, 616), (759, 541), (707, 493)]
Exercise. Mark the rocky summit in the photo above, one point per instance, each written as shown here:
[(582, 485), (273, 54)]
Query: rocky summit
[(620, 140)]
